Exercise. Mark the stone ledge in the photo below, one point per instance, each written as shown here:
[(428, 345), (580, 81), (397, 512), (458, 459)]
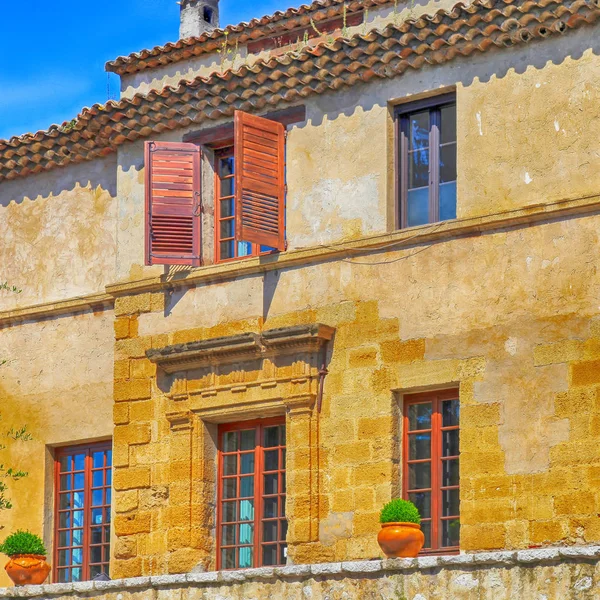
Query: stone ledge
[(351, 570)]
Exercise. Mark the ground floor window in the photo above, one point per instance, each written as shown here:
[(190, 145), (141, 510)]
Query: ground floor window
[(430, 465), (83, 478), (252, 526)]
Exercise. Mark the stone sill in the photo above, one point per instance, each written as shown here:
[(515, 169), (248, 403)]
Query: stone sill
[(372, 568)]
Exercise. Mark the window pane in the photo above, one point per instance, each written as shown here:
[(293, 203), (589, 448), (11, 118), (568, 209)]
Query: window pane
[(229, 488), (271, 483), (228, 535), (98, 479), (282, 506), (270, 555), (246, 510), (66, 482), (76, 574), (64, 520), (282, 554), (418, 207), (244, 248), (248, 439), (451, 533), (227, 249), (247, 463), (246, 487), (418, 169), (448, 201), (230, 465), (79, 481), (271, 460), (66, 464), (422, 500), (64, 558), (419, 416), (269, 508), (96, 535), (227, 229), (98, 459), (95, 571), (230, 441), (227, 208), (450, 472), (418, 130), (229, 512), (419, 476), (270, 531), (426, 529), (64, 575), (246, 556), (450, 413), (97, 516), (227, 188), (246, 533), (450, 443), (448, 129), (96, 554), (227, 166), (79, 462), (450, 503), (77, 556), (109, 458), (283, 531), (78, 537), (271, 437), (448, 163), (78, 499), (419, 446), (228, 558), (66, 501), (97, 498), (64, 539)]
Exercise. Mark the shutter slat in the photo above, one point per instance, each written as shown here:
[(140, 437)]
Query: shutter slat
[(173, 193)]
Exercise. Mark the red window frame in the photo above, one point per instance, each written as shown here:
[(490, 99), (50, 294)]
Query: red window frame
[(95, 494), (259, 497), (220, 218), (440, 495)]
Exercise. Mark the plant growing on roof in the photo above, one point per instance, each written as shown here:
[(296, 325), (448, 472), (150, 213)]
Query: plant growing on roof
[(400, 511), (23, 542)]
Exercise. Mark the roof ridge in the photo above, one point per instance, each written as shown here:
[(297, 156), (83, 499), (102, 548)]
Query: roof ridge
[(426, 40)]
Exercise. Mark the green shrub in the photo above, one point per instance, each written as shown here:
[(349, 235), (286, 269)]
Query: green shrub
[(400, 511), (23, 542)]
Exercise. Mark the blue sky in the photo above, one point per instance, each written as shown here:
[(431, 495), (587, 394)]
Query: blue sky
[(52, 54)]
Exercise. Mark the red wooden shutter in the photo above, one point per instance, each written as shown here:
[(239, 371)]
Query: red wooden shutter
[(259, 181), (173, 204)]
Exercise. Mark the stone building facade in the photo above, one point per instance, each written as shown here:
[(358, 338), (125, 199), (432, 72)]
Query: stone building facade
[(438, 275)]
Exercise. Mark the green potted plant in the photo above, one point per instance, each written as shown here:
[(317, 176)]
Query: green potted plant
[(400, 535), (27, 553)]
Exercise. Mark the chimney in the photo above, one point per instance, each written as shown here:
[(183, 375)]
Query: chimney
[(198, 17)]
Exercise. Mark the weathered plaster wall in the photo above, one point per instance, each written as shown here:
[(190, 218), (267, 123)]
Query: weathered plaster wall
[(58, 382), (58, 233), (511, 317), (340, 162)]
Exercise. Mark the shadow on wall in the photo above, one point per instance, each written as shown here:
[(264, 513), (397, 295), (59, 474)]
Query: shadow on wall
[(99, 172)]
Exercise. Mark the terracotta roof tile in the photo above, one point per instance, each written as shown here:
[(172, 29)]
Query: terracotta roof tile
[(275, 24), (428, 40)]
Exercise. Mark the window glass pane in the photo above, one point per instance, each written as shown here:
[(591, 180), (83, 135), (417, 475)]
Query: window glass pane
[(95, 570), (106, 553), (79, 462), (246, 556), (246, 510), (422, 500), (283, 530), (109, 458), (417, 207), (66, 482), (270, 531), (419, 476), (97, 497), (229, 512), (77, 537), (419, 416), (96, 535), (271, 460), (98, 479), (271, 484), (227, 249), (270, 508), (451, 532), (246, 487), (418, 169), (448, 163), (79, 481), (450, 472), (419, 446), (227, 208), (97, 516), (282, 506), (64, 539), (247, 463), (64, 558), (108, 476), (426, 529), (66, 464), (244, 248), (450, 443), (450, 413), (228, 535), (66, 501), (246, 533), (107, 515), (283, 482), (96, 554), (77, 556), (76, 574), (230, 440), (229, 488), (227, 229), (271, 437), (228, 558), (448, 129), (98, 458), (227, 166), (64, 520), (248, 439), (283, 554), (448, 201), (270, 555), (418, 130), (78, 499), (64, 575), (227, 188), (450, 503), (230, 465)]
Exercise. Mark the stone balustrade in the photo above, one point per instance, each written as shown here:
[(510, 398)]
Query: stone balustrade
[(542, 574)]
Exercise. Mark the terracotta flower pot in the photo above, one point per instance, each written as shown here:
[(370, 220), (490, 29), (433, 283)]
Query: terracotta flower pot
[(28, 569), (401, 540)]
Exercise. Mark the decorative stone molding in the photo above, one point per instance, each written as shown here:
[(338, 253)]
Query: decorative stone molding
[(243, 347), (554, 572)]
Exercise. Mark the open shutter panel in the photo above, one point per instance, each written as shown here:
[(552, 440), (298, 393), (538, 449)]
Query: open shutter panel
[(173, 204), (259, 181)]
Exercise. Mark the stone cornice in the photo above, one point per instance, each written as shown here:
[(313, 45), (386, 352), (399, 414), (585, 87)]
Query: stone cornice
[(243, 347)]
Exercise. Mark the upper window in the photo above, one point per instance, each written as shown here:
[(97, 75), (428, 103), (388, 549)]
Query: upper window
[(252, 527), (431, 473), (427, 161), (82, 512), (250, 196)]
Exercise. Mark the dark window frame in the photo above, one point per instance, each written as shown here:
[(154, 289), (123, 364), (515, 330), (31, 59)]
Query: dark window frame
[(437, 458), (88, 472), (259, 493), (401, 122)]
